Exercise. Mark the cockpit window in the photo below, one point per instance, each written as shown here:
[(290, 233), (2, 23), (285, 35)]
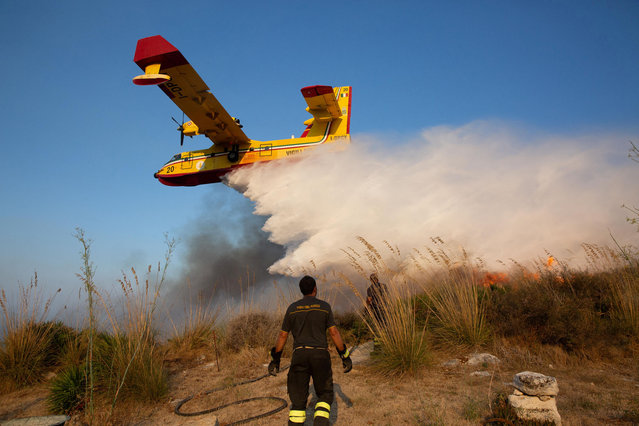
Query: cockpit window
[(174, 158)]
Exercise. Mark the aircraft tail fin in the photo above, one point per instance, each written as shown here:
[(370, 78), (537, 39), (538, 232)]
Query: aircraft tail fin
[(329, 106)]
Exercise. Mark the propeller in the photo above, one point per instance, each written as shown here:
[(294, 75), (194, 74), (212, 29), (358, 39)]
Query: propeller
[(180, 128)]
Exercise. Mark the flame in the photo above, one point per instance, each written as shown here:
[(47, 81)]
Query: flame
[(495, 279)]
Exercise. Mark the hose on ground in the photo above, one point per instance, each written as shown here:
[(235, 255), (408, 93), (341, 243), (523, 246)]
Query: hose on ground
[(284, 403)]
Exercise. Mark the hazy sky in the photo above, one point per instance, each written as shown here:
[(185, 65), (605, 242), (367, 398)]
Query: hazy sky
[(81, 142)]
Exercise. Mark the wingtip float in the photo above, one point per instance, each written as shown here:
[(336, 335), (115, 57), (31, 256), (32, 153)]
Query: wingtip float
[(165, 66)]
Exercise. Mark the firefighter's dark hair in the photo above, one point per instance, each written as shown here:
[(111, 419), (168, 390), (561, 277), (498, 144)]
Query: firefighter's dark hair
[(307, 284)]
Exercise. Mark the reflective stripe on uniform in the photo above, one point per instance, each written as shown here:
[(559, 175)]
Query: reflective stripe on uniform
[(322, 409), (324, 405), (297, 416), (346, 354)]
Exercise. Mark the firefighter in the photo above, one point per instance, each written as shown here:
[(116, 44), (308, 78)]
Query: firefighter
[(377, 299), (377, 302), (308, 319)]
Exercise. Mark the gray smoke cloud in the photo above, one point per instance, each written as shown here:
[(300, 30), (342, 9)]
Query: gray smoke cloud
[(226, 258), (496, 190)]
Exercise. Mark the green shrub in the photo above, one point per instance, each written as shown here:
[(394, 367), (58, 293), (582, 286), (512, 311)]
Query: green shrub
[(573, 310), (352, 328), (67, 390)]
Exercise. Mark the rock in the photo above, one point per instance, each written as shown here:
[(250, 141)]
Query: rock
[(480, 373), (38, 421), (451, 363), (535, 384), (528, 408), (481, 359), (362, 354), (517, 392)]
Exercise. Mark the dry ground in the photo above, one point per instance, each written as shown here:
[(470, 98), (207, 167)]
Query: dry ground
[(591, 393)]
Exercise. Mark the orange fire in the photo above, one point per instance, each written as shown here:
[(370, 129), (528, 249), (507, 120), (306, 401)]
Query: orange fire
[(494, 278)]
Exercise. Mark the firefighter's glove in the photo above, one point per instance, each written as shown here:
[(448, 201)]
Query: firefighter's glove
[(347, 363), (274, 365)]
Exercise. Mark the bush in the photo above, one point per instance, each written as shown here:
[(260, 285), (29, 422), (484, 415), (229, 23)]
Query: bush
[(66, 392), (458, 305), (25, 350), (127, 367), (404, 347), (23, 356), (352, 328), (572, 310), (252, 330)]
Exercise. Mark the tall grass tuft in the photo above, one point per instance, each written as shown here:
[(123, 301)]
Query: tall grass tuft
[(454, 293), (130, 362), (622, 276), (25, 350), (458, 304), (402, 339), (197, 329)]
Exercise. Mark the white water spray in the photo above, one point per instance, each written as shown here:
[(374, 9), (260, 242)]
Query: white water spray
[(498, 192)]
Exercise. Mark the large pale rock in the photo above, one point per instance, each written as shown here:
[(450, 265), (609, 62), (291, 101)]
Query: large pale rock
[(536, 384), (532, 408)]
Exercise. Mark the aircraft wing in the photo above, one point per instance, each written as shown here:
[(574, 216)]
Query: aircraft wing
[(165, 66)]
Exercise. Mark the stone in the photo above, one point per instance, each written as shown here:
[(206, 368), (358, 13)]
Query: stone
[(527, 408), (38, 421), (451, 363), (362, 354), (481, 359), (536, 384), (480, 373)]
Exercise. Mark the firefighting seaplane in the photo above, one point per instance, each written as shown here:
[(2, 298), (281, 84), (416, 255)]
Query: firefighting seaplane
[(166, 67)]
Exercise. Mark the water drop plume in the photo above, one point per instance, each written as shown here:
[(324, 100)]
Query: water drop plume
[(499, 191)]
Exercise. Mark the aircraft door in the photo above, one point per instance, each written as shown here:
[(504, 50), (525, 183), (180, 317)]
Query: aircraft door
[(187, 162)]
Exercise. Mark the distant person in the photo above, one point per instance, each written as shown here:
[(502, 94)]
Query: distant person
[(377, 299), (308, 319)]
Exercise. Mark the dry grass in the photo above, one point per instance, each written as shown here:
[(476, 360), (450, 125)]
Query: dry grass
[(579, 326), (622, 275), (403, 339), (197, 330), (129, 359), (25, 350)]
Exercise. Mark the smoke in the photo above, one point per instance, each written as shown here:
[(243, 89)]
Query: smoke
[(497, 191), (227, 255)]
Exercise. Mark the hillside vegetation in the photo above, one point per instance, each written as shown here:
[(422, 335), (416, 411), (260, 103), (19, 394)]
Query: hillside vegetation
[(440, 304)]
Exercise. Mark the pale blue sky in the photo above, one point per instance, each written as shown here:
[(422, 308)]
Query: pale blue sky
[(81, 142)]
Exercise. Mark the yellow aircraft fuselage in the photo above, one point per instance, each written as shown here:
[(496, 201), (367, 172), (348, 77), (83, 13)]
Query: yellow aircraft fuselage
[(165, 66), (209, 165)]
